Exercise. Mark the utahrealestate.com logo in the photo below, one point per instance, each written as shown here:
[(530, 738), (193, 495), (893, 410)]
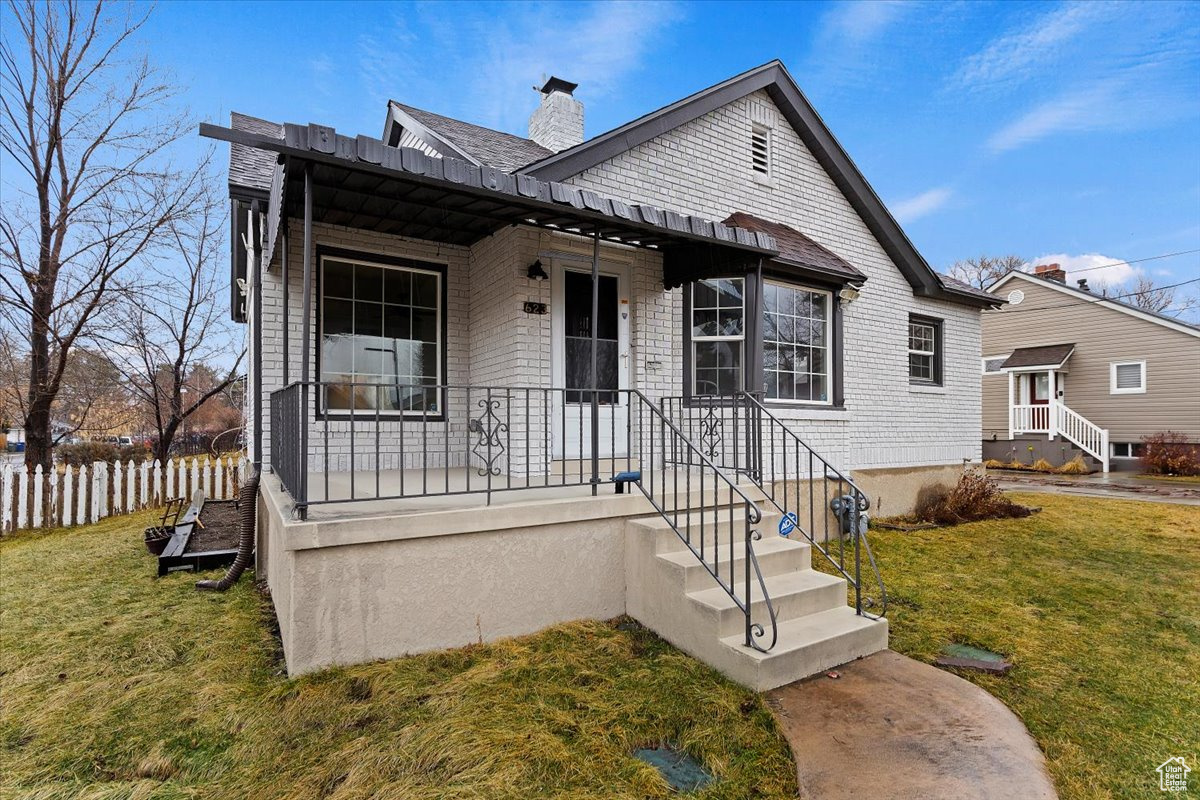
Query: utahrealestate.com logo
[(1173, 775)]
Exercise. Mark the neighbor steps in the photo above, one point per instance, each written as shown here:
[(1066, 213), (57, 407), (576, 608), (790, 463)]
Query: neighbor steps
[(670, 591)]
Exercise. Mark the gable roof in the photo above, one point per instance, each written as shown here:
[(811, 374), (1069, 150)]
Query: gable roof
[(472, 143), (250, 169), (795, 107), (796, 249), (1050, 356), (1085, 296)]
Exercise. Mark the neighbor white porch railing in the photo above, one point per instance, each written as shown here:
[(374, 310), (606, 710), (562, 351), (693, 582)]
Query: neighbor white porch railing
[(1056, 419), (1029, 419), (1084, 433), (69, 496)]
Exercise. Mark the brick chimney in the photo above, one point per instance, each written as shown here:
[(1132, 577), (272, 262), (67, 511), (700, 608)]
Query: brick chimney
[(1051, 272), (557, 123)]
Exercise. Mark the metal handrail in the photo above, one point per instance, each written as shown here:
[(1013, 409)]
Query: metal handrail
[(508, 438), (685, 530), (853, 516)]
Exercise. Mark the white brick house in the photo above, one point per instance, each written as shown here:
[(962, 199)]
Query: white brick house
[(452, 315)]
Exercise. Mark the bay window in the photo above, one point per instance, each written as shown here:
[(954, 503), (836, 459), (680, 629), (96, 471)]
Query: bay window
[(718, 333), (380, 334), (796, 343)]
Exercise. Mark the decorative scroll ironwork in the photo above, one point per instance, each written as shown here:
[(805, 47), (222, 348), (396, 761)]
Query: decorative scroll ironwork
[(490, 430), (711, 429)]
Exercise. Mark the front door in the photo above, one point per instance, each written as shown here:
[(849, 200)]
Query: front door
[(1038, 387), (571, 359)]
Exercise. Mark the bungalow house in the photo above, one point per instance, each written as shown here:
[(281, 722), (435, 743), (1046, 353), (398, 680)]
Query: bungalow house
[(1068, 371), (500, 382)]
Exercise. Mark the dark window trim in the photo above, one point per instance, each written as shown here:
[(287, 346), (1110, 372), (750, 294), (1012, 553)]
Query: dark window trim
[(939, 350), (753, 381), (324, 251)]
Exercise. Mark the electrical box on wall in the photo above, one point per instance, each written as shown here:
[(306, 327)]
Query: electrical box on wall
[(535, 308)]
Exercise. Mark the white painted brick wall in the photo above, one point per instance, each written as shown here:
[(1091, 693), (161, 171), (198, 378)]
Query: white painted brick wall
[(703, 168)]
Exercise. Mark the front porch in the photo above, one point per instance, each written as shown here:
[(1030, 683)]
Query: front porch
[(1037, 395), (445, 430)]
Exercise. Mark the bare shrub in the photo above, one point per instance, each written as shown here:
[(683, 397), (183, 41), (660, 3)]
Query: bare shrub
[(1170, 453), (975, 497)]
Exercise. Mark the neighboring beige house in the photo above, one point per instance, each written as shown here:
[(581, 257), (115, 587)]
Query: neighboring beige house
[(1069, 371), (501, 382)]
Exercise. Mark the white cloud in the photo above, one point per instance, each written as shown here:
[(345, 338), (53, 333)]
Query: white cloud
[(857, 23), (596, 46), (1116, 275), (1017, 55), (920, 205)]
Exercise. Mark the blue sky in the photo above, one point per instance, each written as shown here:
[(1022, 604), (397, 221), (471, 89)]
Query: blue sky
[(1068, 132)]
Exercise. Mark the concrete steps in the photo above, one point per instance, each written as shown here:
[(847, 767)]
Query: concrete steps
[(670, 591)]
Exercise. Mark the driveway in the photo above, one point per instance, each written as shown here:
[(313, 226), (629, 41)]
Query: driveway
[(1118, 485), (893, 727)]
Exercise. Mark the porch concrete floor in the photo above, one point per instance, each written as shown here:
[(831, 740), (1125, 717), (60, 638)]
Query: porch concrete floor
[(412, 492), (894, 727)]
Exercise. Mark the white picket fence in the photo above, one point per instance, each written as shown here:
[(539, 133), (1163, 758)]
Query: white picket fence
[(79, 495)]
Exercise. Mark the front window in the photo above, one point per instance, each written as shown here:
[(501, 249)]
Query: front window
[(381, 335), (718, 335), (796, 341), (1128, 377), (924, 350)]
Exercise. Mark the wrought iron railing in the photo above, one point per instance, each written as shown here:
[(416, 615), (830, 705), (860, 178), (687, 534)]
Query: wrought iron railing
[(335, 442), (815, 498), (715, 504)]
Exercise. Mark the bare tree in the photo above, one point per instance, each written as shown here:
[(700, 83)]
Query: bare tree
[(982, 271), (166, 340), (1144, 294), (89, 133)]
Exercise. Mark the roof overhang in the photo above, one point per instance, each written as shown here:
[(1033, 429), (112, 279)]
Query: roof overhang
[(1039, 359), (1095, 299), (360, 182), (774, 78)]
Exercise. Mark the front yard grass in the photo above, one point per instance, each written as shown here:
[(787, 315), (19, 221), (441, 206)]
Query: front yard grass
[(119, 685), (1097, 603)]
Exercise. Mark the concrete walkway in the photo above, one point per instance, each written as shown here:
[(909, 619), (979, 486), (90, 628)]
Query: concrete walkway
[(1118, 486), (894, 727)]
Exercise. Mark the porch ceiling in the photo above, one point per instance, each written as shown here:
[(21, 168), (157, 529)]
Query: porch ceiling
[(363, 183)]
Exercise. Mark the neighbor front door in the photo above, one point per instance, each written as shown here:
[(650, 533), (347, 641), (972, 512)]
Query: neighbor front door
[(571, 359)]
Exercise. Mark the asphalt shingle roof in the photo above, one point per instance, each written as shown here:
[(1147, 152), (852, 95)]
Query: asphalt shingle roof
[(794, 247), (249, 167), (1050, 355), (962, 286), (493, 148)]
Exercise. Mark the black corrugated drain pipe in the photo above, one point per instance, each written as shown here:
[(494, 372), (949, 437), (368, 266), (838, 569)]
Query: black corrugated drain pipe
[(247, 512)]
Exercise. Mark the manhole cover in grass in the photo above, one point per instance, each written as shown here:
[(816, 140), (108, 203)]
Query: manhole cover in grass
[(681, 771), (964, 656)]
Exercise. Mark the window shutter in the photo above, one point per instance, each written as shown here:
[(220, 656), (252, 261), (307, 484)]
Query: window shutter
[(1129, 376)]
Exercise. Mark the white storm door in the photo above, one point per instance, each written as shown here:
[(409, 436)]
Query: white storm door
[(571, 353)]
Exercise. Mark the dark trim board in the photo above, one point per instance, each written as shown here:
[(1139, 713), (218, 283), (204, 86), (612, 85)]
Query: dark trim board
[(804, 119)]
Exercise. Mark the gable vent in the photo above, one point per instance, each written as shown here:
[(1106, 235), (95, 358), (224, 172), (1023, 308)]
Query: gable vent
[(760, 149)]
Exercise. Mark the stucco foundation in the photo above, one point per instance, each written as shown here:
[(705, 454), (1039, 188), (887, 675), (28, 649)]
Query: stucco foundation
[(894, 490)]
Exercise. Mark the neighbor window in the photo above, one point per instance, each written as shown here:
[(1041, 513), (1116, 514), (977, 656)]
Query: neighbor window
[(796, 341), (992, 365), (381, 334), (925, 350), (1127, 449), (1127, 377), (718, 335)]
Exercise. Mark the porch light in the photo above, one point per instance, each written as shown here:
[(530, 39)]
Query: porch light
[(536, 272), (848, 295)]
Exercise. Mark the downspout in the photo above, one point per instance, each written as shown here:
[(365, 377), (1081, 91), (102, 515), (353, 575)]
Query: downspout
[(256, 243), (247, 513)]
